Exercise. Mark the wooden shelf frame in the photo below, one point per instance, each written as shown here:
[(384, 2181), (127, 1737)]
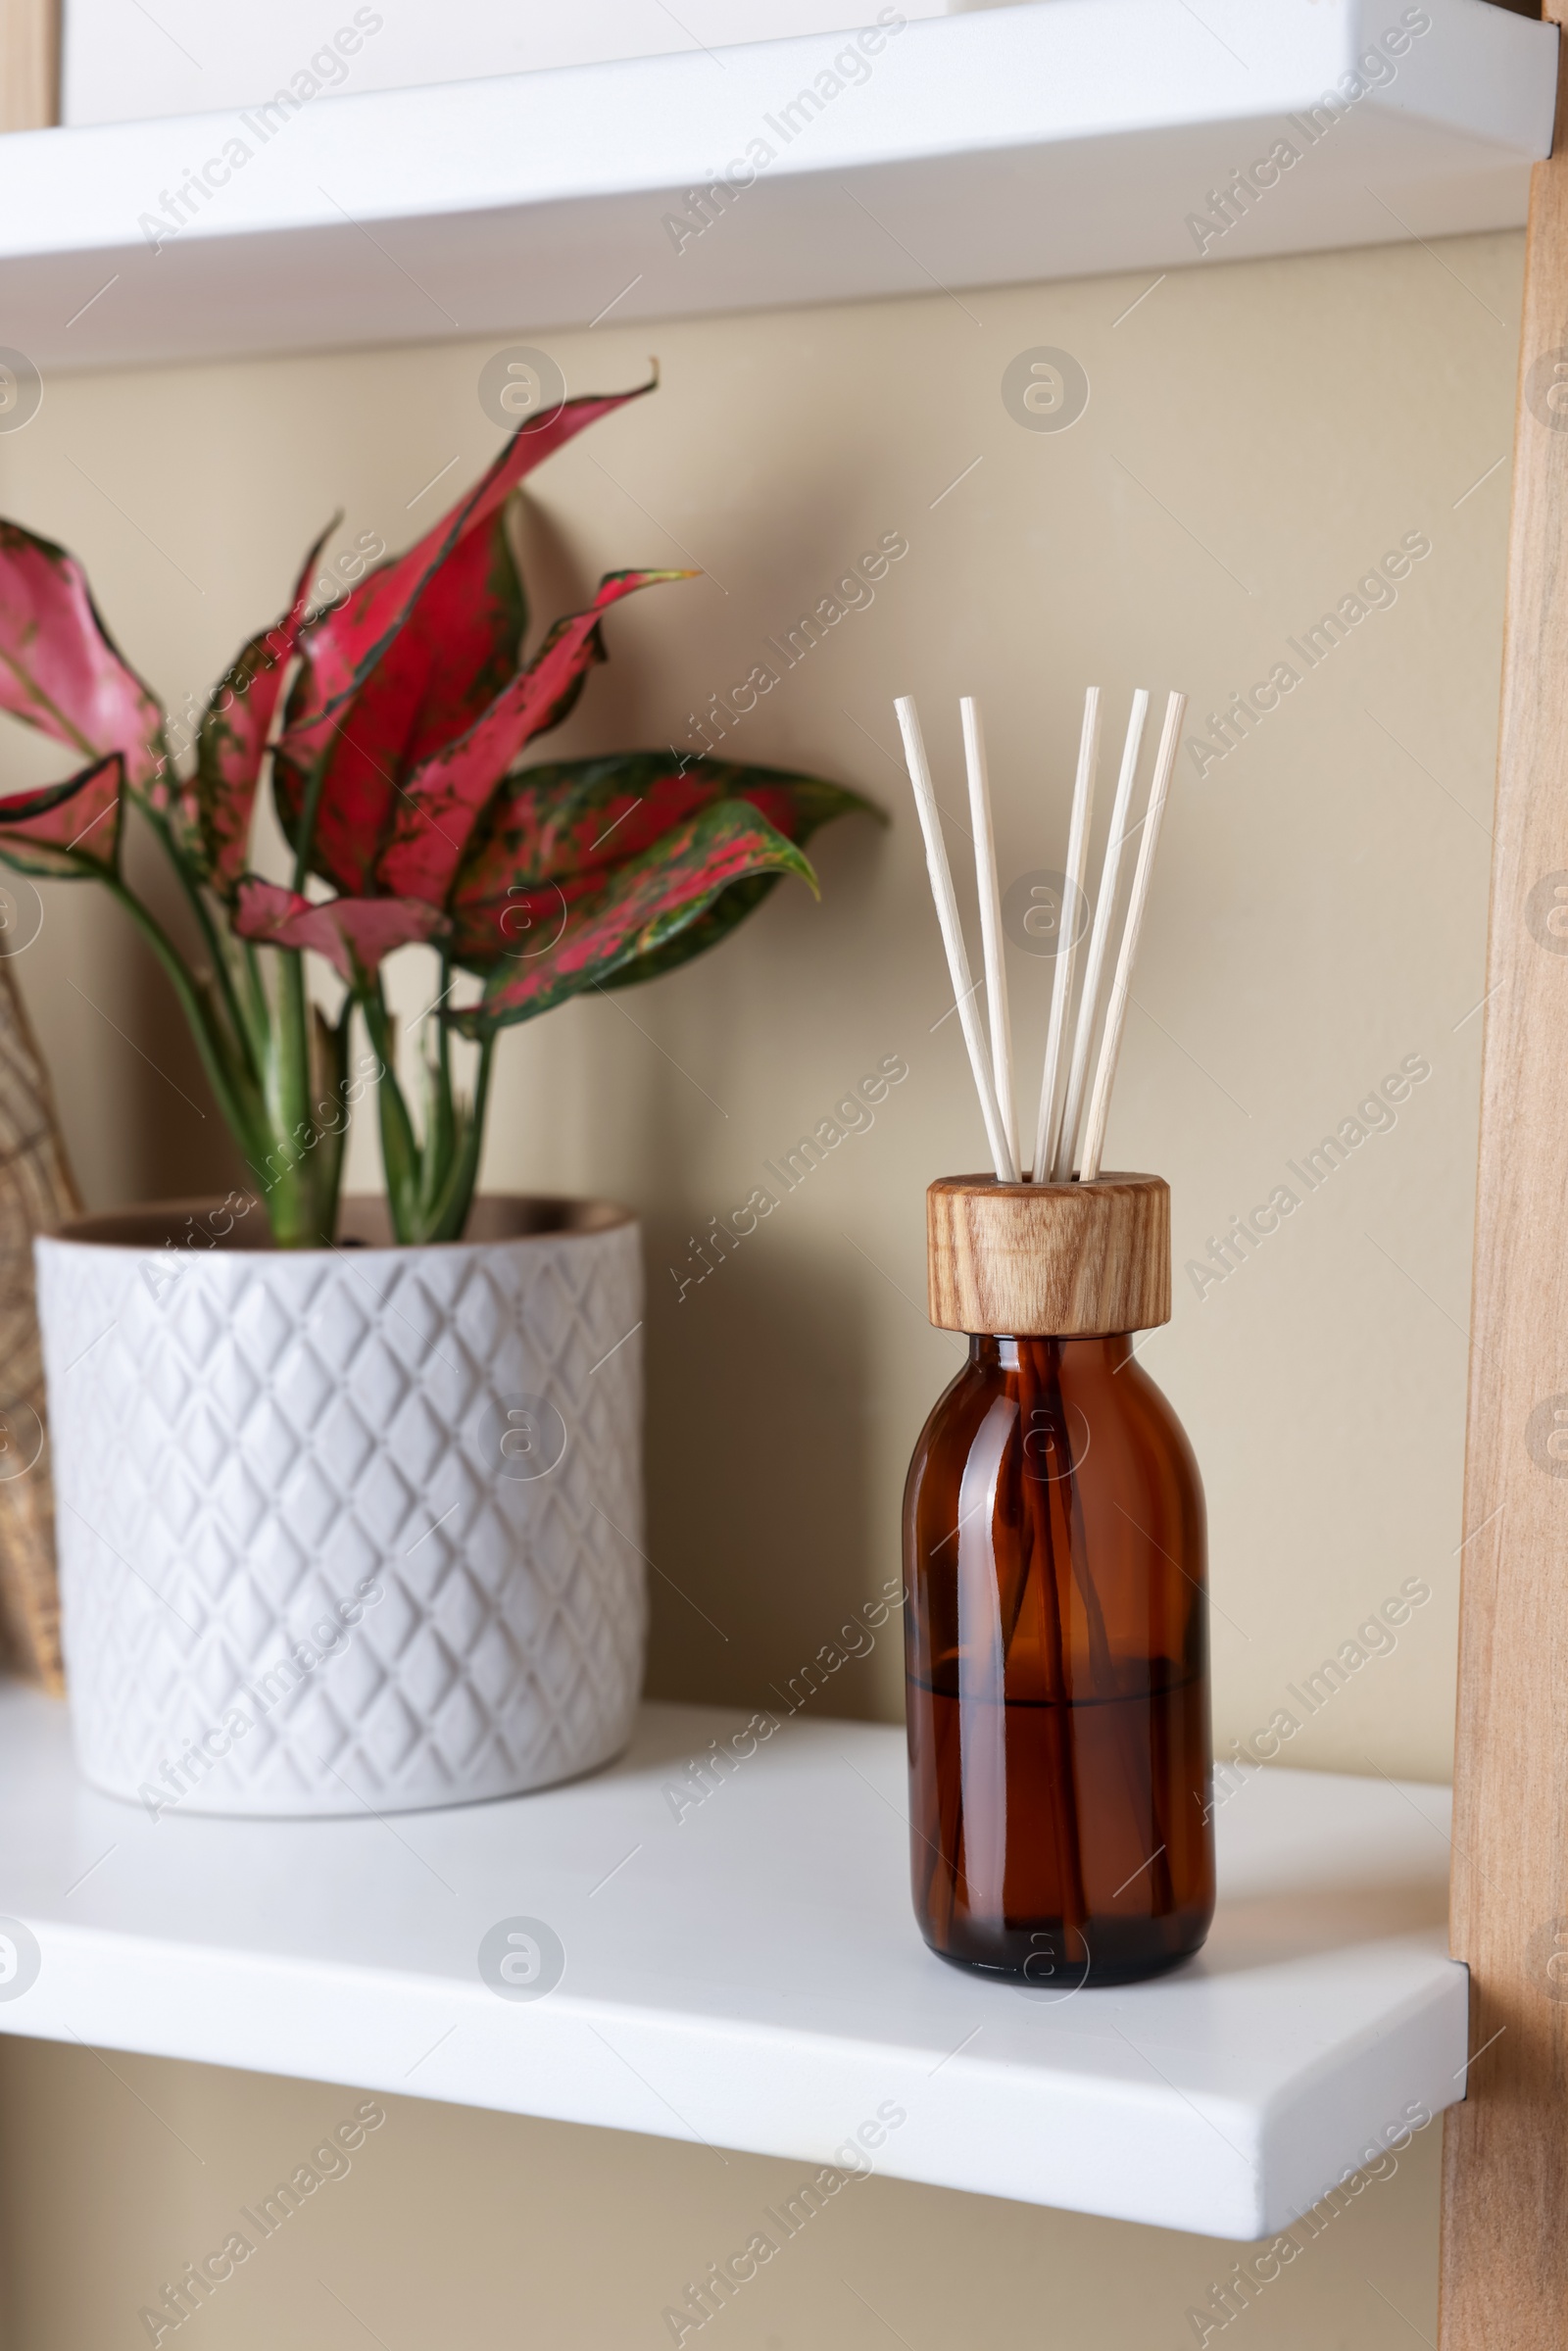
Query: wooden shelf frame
[(1506, 2171), (29, 64)]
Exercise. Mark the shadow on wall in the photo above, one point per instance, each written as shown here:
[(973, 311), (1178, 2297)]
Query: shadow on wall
[(759, 1480)]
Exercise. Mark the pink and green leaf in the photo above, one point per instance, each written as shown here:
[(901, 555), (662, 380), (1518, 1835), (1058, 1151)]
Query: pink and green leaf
[(633, 909), (711, 929), (354, 934), (351, 640), (567, 822), (231, 740), (70, 829), (59, 669), (454, 653), (443, 801)]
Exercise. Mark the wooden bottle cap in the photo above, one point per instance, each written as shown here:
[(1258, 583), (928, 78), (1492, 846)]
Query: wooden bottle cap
[(1048, 1260)]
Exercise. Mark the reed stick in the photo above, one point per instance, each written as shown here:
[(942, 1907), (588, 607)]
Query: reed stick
[(946, 906), (1048, 1126), (1098, 942), (1143, 874), (991, 942)]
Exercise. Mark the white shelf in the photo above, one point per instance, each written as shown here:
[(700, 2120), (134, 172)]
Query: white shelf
[(1018, 143), (120, 62), (750, 1974)]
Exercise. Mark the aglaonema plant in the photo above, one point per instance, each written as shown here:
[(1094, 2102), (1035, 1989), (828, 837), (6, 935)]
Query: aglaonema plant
[(392, 720)]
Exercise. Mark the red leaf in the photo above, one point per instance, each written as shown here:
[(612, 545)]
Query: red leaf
[(63, 828), (59, 667), (443, 801), (454, 651), (351, 933), (348, 641), (231, 739)]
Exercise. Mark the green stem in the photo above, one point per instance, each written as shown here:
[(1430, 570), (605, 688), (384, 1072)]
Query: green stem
[(256, 1048), (260, 1012), (400, 1150), (245, 1119), (441, 1134), (333, 1139), (251, 1042), (292, 1193), (449, 1210)]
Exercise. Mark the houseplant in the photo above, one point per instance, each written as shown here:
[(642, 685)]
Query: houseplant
[(400, 1443)]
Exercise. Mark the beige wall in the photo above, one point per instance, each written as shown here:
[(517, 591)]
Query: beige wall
[(1258, 437), (463, 2231)]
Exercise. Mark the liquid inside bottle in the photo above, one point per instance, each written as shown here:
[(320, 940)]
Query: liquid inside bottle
[(1058, 1668)]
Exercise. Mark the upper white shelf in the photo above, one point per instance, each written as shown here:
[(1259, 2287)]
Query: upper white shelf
[(1018, 143), (749, 1973)]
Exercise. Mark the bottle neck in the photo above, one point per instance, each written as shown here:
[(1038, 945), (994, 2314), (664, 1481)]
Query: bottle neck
[(998, 1354)]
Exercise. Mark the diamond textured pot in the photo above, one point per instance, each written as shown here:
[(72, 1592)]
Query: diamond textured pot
[(346, 1527)]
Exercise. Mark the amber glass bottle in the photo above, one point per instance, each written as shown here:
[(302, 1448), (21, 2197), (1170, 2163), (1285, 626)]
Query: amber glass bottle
[(1056, 1653)]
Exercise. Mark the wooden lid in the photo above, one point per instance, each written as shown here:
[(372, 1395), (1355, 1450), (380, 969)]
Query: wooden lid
[(1048, 1260)]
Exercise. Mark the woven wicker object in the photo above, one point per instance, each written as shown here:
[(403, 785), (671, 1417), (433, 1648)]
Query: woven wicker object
[(37, 1191)]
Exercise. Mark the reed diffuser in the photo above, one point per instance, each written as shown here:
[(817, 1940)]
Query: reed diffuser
[(1056, 1654)]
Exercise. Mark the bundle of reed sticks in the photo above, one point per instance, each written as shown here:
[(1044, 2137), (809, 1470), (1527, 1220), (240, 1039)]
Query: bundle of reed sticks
[(1074, 1098)]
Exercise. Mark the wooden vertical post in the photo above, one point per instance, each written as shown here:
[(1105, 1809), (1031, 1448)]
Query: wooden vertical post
[(1505, 2150), (29, 64)]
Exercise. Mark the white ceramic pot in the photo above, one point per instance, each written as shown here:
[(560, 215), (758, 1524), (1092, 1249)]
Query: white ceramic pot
[(349, 1526)]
